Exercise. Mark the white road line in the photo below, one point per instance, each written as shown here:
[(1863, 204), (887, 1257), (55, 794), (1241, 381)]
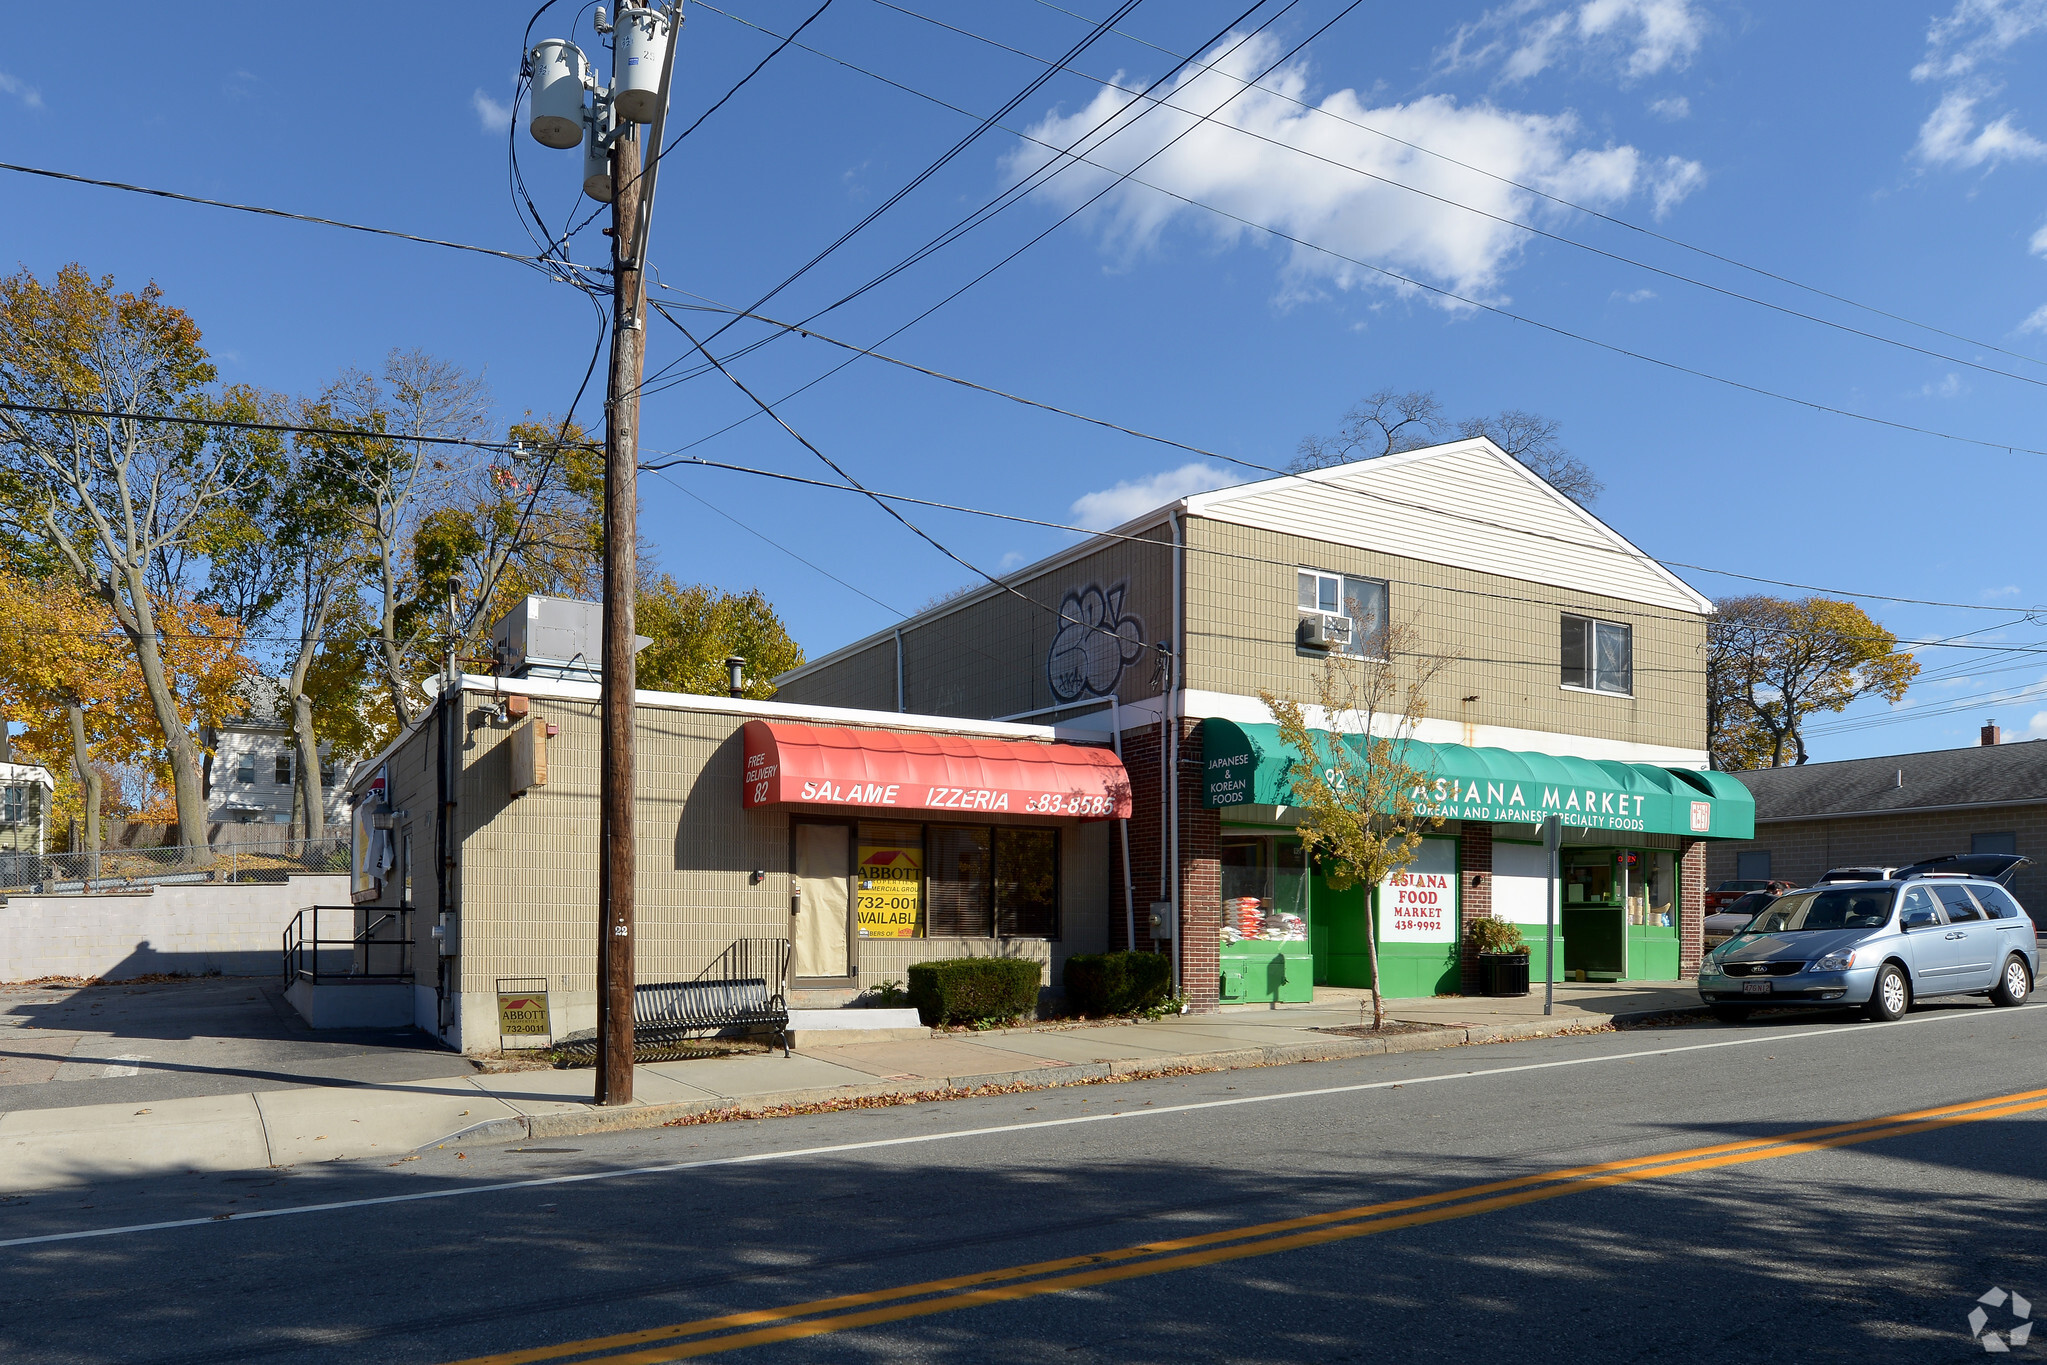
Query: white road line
[(796, 1153), (123, 1065)]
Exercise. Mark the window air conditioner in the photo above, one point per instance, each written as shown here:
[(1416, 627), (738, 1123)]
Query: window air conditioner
[(1324, 632)]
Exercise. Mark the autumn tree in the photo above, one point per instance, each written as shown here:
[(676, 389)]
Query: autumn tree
[(1388, 423), (695, 628), (1357, 781), (126, 504), (1772, 662)]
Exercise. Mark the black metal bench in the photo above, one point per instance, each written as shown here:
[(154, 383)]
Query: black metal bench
[(675, 1019)]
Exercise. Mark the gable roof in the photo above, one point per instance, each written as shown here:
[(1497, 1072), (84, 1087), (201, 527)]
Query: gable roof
[(1987, 775), (1467, 504)]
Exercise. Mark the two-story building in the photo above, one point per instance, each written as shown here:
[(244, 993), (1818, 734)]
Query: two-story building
[(1569, 678)]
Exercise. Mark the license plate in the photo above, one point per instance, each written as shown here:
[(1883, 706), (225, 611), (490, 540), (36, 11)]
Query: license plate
[(1755, 987)]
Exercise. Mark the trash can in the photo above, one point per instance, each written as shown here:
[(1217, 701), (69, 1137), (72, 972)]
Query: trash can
[(1503, 973)]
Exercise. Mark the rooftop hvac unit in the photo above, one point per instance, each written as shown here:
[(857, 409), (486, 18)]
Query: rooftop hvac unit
[(553, 637), (1324, 632)]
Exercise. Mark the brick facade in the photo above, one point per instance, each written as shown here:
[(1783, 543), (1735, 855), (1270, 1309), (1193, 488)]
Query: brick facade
[(1691, 910), (1475, 895)]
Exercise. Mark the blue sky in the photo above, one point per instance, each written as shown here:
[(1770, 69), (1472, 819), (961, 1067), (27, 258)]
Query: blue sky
[(1891, 160)]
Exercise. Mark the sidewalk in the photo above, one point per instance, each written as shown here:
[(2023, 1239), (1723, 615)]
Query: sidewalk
[(42, 1148)]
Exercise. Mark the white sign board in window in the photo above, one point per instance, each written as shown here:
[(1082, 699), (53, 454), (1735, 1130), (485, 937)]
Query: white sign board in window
[(1520, 883), (1419, 903)]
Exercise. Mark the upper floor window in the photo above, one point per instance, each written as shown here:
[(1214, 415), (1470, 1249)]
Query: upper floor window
[(1361, 601), (245, 769), (284, 768), (1599, 656)]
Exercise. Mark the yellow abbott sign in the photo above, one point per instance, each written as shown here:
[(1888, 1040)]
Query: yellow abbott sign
[(890, 898), (523, 1013)]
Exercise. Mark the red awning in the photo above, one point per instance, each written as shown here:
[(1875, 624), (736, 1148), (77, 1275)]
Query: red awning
[(814, 765)]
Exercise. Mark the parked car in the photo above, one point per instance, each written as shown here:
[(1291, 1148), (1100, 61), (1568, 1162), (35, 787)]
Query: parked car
[(1732, 918), (1836, 875), (1880, 945), (1728, 892)]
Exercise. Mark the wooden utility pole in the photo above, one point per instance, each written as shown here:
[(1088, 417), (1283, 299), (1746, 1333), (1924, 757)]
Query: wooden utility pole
[(616, 864)]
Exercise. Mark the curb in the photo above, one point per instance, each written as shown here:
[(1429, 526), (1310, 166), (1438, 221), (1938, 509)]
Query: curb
[(583, 1122)]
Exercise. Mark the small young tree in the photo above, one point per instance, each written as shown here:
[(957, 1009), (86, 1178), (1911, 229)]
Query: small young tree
[(1358, 777)]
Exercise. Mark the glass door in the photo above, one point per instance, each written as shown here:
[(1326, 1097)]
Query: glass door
[(1652, 916)]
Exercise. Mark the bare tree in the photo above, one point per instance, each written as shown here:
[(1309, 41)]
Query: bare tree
[(1389, 422)]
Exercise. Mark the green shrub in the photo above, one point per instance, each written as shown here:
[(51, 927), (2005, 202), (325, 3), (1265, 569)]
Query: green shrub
[(1100, 984), (1494, 936), (974, 990)]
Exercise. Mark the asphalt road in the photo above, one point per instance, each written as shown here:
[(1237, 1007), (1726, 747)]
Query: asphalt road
[(1429, 1206), (136, 1043)]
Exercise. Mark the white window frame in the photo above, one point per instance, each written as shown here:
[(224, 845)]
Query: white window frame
[(1592, 649), (1356, 649)]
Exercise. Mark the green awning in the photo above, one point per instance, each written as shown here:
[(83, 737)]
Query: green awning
[(1249, 765)]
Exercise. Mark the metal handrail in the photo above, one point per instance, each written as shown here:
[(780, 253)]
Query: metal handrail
[(303, 943)]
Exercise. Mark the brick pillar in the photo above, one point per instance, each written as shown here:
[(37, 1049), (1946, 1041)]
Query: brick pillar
[(1474, 894), (1691, 911), (1201, 881)]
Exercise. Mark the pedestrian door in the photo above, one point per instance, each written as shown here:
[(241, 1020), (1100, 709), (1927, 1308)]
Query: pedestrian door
[(822, 909)]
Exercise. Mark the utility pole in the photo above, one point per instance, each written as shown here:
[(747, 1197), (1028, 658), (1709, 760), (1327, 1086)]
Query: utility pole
[(616, 861), (643, 39)]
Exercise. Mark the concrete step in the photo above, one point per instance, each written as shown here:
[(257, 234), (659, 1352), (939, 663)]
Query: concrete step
[(811, 1029)]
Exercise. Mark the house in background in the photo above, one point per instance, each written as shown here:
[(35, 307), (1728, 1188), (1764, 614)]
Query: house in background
[(25, 792), (250, 780), (1894, 810)]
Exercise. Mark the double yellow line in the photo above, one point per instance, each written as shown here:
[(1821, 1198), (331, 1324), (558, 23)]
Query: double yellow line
[(736, 1331)]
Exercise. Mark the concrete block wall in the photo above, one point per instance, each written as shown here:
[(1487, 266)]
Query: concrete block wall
[(234, 930)]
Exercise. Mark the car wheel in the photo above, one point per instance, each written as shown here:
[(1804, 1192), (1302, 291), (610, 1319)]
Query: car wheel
[(1891, 996), (2015, 984), (1731, 1014)]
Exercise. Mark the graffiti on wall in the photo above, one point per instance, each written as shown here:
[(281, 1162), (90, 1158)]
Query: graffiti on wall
[(1095, 643)]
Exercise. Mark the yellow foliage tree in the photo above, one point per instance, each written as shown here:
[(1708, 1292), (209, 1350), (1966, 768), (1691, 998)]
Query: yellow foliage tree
[(1771, 663), (697, 627)]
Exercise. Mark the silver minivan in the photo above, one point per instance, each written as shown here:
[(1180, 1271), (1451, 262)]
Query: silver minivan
[(1932, 929)]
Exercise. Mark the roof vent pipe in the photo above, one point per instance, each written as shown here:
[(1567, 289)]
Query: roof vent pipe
[(1992, 735), (735, 674)]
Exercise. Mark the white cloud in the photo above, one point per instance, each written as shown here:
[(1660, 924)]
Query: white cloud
[(1134, 497), (493, 116), (1318, 197), (2008, 590), (2036, 321), (1950, 137), (1009, 561), (1976, 32), (2036, 728), (1674, 108), (2038, 246), (1950, 386), (1974, 36), (1526, 37), (1634, 296), (29, 96)]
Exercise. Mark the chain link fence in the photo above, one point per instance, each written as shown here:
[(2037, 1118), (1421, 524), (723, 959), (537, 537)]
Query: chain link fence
[(133, 869)]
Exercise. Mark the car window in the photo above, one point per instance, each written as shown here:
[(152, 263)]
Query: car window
[(1915, 910), (1955, 900), (1996, 901), (1842, 909)]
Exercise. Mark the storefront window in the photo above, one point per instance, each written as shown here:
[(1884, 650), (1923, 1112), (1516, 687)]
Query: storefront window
[(1589, 877), (985, 883), (1027, 883), (889, 881), (1265, 888), (1662, 880)]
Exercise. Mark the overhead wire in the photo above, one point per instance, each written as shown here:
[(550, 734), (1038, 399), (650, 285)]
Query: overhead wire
[(1409, 281), (1145, 93), (1560, 200)]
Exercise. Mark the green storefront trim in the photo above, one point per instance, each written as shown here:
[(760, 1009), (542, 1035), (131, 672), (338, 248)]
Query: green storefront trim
[(1248, 764)]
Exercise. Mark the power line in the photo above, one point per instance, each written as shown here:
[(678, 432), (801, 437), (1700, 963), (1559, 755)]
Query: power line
[(539, 263), (1556, 199), (1629, 552), (1144, 93), (1396, 276), (288, 428)]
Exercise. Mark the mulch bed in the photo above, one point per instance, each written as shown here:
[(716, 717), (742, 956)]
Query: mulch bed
[(1392, 1027)]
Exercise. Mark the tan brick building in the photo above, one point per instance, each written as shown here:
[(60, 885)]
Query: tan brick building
[(1571, 657)]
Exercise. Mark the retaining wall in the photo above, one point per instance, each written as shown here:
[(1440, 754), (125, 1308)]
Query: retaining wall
[(233, 930)]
